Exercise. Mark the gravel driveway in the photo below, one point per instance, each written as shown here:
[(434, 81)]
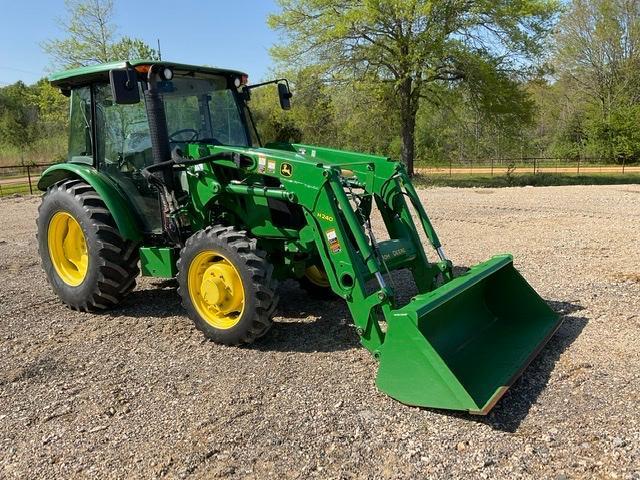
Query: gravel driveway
[(138, 393)]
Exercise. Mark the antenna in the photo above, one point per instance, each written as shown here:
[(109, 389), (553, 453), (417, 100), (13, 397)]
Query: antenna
[(159, 52)]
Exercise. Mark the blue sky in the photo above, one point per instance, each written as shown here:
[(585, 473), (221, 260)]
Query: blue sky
[(225, 33)]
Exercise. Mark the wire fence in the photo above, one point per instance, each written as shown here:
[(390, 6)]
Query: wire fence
[(23, 179), (527, 165), (20, 179)]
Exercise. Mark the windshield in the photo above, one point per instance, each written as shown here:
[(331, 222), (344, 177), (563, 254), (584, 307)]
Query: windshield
[(197, 110), (203, 110)]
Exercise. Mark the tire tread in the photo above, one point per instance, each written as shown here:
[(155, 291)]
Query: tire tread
[(117, 258), (260, 269)]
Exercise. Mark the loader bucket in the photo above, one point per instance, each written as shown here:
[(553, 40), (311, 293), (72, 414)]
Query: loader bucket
[(462, 345)]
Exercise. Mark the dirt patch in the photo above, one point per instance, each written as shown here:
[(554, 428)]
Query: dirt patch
[(627, 277)]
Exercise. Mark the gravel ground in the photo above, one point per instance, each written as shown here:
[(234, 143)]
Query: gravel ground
[(137, 393)]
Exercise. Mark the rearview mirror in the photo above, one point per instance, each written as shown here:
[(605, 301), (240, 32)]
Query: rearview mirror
[(124, 86), (285, 96)]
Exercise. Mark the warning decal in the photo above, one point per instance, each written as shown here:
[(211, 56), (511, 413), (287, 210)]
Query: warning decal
[(262, 163), (334, 244)]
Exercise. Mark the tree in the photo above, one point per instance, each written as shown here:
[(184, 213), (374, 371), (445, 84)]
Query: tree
[(598, 57), (415, 45), (598, 49), (32, 122), (17, 116), (364, 119), (91, 37), (132, 48)]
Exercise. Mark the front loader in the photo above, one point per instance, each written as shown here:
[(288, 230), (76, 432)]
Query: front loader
[(167, 174)]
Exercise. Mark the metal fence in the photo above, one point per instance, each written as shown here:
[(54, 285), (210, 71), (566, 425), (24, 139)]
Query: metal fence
[(20, 179), (527, 165), (23, 179)]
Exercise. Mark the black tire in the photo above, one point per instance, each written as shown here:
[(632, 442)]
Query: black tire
[(112, 261), (255, 272)]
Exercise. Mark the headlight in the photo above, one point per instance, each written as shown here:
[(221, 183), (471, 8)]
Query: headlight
[(167, 73)]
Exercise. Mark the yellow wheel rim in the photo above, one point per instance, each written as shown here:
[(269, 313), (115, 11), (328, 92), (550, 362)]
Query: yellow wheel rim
[(67, 248), (216, 289), (317, 276)]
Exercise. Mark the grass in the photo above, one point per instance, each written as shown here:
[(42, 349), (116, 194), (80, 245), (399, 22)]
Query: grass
[(522, 180), (46, 150), (529, 164), (16, 189)]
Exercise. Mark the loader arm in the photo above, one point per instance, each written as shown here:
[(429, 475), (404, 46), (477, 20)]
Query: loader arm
[(327, 192), (460, 342)]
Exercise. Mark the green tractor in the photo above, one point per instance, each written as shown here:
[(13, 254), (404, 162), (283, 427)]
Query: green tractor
[(166, 174)]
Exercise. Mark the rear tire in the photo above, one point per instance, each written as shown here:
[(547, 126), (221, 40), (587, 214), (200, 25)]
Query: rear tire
[(108, 267), (316, 284), (226, 285)]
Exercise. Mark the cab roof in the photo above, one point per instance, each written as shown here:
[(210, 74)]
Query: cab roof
[(84, 75)]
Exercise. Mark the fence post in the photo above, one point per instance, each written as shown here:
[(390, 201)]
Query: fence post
[(492, 166), (623, 158), (578, 164), (29, 177)]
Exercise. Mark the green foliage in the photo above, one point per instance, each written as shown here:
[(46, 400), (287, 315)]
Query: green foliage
[(91, 37), (417, 46), (598, 81), (16, 115), (33, 119), (365, 118), (132, 48), (274, 125), (311, 117), (625, 133), (355, 116), (32, 123)]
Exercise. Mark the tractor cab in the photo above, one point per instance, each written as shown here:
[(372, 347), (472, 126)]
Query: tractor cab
[(110, 127)]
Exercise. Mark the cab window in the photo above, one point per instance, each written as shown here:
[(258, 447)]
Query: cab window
[(80, 127)]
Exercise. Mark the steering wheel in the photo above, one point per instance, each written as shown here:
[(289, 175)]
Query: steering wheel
[(194, 135)]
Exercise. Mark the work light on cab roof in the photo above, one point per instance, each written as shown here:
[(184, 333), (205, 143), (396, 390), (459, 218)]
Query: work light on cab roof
[(167, 174)]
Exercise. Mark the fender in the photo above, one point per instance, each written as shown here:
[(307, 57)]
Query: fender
[(126, 221)]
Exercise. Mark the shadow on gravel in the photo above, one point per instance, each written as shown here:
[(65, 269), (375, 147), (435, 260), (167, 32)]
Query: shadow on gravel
[(313, 325), (513, 408), (304, 324), (161, 301), (301, 324)]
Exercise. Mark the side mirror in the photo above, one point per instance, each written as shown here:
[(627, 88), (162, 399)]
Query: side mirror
[(285, 96), (124, 86)]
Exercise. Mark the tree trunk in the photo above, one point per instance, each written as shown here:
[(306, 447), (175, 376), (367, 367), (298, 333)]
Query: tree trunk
[(408, 111)]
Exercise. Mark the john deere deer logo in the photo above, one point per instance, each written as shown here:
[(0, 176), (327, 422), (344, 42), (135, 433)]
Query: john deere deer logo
[(286, 169)]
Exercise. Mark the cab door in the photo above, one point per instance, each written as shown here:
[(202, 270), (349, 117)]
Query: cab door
[(123, 150)]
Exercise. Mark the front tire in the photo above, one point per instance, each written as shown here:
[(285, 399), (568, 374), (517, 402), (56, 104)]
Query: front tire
[(226, 285), (88, 263)]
